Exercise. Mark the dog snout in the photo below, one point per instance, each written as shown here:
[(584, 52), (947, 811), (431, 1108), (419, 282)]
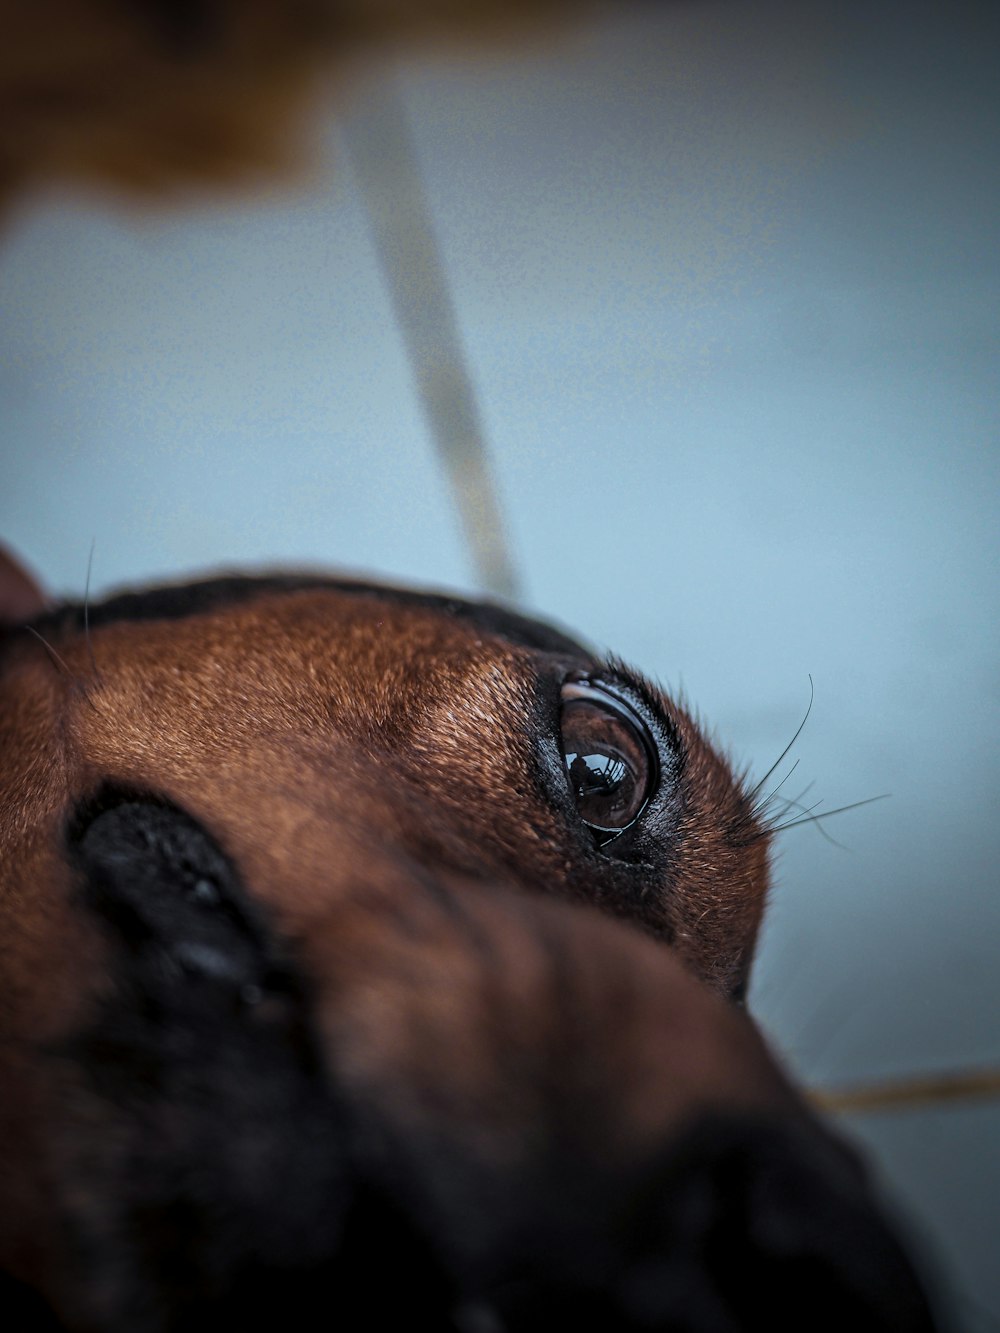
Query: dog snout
[(504, 1112), (330, 1002), (615, 1150)]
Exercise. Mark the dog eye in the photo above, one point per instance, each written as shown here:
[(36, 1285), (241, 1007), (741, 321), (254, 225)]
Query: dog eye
[(610, 758)]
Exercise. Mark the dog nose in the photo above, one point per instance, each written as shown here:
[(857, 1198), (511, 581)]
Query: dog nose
[(759, 1222), (747, 1223)]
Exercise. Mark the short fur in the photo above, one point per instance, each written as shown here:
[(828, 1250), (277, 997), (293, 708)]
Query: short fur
[(321, 1005)]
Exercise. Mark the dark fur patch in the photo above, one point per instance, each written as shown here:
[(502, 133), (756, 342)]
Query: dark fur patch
[(223, 1171), (209, 595)]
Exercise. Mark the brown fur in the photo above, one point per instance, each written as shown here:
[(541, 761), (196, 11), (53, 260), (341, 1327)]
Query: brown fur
[(513, 1057), (369, 763)]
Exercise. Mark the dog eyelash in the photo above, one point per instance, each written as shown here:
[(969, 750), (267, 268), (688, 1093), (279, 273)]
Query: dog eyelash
[(643, 695)]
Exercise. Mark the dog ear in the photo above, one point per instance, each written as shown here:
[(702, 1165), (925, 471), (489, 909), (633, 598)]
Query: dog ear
[(21, 596)]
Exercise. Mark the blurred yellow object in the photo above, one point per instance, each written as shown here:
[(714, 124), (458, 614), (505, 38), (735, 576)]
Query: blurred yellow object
[(150, 96), (905, 1093)]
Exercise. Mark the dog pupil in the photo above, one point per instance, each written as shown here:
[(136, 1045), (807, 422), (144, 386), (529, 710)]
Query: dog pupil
[(602, 785)]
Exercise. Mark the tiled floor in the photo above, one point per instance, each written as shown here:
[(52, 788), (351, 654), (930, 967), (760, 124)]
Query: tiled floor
[(727, 278)]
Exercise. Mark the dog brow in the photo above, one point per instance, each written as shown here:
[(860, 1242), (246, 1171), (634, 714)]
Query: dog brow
[(210, 595)]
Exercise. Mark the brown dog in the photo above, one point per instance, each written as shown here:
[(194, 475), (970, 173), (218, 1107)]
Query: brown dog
[(369, 957)]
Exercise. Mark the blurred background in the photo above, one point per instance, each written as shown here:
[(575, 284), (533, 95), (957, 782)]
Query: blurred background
[(726, 282)]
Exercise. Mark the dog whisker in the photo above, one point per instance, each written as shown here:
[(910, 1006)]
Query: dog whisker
[(755, 791), (79, 685), (810, 818), (54, 657), (86, 615), (760, 807)]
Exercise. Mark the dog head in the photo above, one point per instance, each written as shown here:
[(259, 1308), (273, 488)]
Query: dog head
[(373, 955)]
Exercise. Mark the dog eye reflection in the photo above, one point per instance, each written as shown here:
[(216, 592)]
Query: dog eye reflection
[(609, 758)]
